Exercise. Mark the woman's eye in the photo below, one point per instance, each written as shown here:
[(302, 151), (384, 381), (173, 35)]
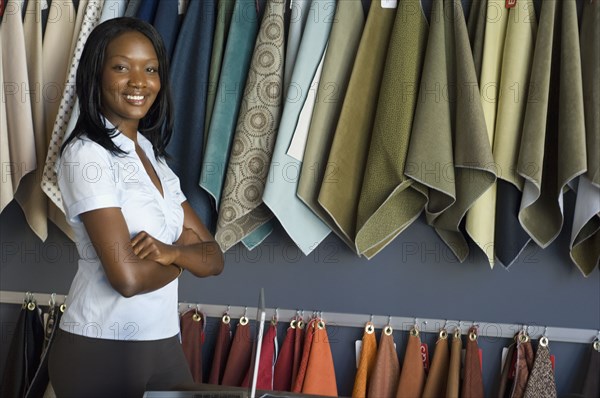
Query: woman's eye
[(120, 67), (152, 69)]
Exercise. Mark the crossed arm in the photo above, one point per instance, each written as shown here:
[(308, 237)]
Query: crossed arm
[(144, 264)]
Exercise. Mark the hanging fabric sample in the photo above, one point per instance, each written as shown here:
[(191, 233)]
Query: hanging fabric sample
[(301, 224), (298, 345), (18, 139), (412, 376), (591, 382), (29, 194), (554, 119), (241, 210), (40, 382), (460, 168), (299, 11), (585, 235), (431, 136), (236, 61), (56, 56), (541, 380), (384, 379), (268, 356), (282, 374), (506, 374), (453, 387), (240, 354), (320, 373), (222, 347), (388, 201), (189, 75), (224, 12), (476, 26), (437, 378), (306, 344), (49, 183), (166, 22), (510, 238), (147, 10), (7, 191), (192, 339), (523, 367), (344, 165), (133, 7), (473, 380), (480, 221), (24, 352), (339, 59), (366, 363)]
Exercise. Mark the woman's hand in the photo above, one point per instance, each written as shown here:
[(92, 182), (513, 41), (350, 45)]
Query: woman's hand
[(145, 246)]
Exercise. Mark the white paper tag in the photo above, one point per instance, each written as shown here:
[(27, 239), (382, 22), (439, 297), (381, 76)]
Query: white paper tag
[(181, 6), (504, 354), (44, 5), (389, 3), (357, 349)]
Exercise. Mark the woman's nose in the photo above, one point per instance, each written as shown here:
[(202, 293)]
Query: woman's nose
[(137, 81)]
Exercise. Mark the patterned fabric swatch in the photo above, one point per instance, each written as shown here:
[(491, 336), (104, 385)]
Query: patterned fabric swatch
[(242, 210), (541, 380)]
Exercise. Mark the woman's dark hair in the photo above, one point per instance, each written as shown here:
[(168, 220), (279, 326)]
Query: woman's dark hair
[(157, 125)]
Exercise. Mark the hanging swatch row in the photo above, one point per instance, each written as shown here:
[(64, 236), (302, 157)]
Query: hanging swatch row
[(483, 122), (304, 362)]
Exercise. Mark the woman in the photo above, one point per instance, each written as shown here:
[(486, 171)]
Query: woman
[(136, 233)]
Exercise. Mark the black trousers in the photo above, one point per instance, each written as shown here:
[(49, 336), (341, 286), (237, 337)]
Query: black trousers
[(88, 367)]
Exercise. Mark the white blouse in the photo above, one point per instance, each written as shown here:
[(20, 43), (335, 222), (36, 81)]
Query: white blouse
[(90, 177)]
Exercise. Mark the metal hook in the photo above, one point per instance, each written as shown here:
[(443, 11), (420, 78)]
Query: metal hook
[(228, 309), (245, 311), (389, 322), (371, 318), (545, 330), (276, 315), (52, 301), (445, 324)]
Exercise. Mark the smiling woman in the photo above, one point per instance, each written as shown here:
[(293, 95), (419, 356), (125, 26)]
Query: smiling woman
[(130, 80), (135, 231)]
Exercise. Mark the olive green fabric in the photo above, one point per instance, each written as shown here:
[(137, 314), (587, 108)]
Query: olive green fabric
[(242, 211), (340, 187), (554, 119), (476, 27), (480, 222), (224, 12), (450, 154), (388, 202), (339, 59), (510, 238), (585, 235), (472, 171), (430, 147)]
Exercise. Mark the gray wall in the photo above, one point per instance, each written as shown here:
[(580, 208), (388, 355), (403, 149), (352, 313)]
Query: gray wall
[(415, 276)]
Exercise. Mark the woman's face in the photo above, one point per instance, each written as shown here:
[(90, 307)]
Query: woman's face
[(130, 79)]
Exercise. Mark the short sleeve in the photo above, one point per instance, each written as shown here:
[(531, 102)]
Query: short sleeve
[(86, 179)]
